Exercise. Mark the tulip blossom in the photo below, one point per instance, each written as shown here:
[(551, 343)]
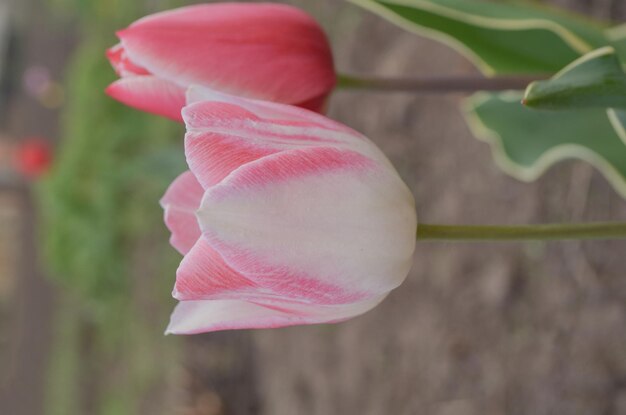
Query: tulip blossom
[(265, 51), (285, 217)]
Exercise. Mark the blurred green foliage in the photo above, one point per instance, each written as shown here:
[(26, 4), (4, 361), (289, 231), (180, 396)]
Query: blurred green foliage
[(111, 12), (112, 166), (103, 232)]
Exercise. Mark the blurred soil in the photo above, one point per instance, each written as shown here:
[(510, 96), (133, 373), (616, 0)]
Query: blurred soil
[(532, 329), (30, 303)]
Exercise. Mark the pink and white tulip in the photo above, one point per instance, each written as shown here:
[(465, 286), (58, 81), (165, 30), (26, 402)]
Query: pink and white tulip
[(265, 51), (284, 218)]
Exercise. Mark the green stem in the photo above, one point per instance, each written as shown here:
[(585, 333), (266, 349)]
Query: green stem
[(606, 230), (443, 84)]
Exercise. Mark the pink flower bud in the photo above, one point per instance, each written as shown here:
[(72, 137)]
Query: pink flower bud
[(265, 51), (285, 217)]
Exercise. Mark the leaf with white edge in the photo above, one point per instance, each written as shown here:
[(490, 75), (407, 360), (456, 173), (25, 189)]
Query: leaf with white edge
[(525, 142), (499, 38), (617, 39), (596, 80)]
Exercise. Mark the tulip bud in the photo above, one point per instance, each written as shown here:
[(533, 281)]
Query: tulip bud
[(265, 51), (284, 218)]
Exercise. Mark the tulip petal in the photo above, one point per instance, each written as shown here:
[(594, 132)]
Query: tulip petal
[(212, 111), (322, 224), (123, 66), (192, 317), (222, 137), (229, 132), (267, 51), (180, 202), (317, 104), (150, 94), (268, 110), (203, 274), (213, 156)]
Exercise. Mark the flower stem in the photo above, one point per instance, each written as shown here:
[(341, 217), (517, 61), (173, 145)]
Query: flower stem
[(600, 230), (437, 84)]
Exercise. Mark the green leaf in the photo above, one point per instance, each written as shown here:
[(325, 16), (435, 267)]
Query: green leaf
[(596, 80), (525, 142), (617, 39), (499, 38)]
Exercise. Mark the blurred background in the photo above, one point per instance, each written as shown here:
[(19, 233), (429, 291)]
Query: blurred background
[(86, 270)]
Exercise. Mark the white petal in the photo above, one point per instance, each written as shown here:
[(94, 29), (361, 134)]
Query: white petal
[(322, 224), (192, 317)]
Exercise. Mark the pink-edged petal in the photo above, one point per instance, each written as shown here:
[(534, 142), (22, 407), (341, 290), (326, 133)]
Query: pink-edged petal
[(180, 202), (225, 132), (184, 228), (185, 193), (268, 124), (150, 94), (203, 274), (222, 137), (306, 113), (266, 51), (122, 64), (213, 156), (193, 317), (322, 224)]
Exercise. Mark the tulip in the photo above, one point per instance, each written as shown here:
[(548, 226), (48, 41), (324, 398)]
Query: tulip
[(266, 51), (285, 217)]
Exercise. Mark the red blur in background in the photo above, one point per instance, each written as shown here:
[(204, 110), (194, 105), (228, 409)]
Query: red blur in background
[(32, 157)]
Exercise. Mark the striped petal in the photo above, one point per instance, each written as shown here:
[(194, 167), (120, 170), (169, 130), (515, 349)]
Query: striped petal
[(322, 224), (150, 94), (180, 202), (191, 317), (213, 153), (223, 136), (203, 274), (228, 132), (269, 110)]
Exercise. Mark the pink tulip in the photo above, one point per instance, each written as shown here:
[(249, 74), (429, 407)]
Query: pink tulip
[(266, 51), (285, 217)]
